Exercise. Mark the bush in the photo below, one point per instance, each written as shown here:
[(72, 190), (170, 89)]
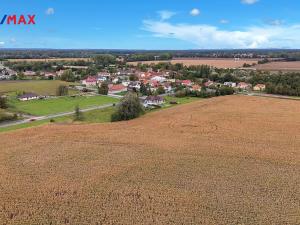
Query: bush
[(129, 108), (103, 89), (7, 116), (78, 116), (62, 90), (68, 76), (3, 103)]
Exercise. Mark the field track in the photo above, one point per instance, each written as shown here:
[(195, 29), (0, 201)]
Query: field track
[(226, 160)]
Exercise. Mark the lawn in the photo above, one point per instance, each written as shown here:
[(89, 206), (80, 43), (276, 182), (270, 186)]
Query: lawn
[(97, 116), (43, 87), (58, 105)]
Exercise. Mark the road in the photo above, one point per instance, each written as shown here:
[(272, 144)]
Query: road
[(34, 118), (270, 96)]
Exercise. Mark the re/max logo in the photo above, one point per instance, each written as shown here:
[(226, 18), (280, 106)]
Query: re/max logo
[(18, 20)]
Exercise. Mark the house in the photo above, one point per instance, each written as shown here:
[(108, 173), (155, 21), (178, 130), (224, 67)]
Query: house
[(49, 75), (60, 73), (259, 87), (134, 85), (28, 96), (103, 74), (29, 73), (196, 88), (158, 79), (154, 101), (101, 79), (230, 84), (116, 88), (209, 83), (244, 86), (186, 83), (90, 81)]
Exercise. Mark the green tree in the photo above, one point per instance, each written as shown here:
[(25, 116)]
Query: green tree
[(129, 108), (143, 89), (160, 90), (62, 90), (3, 103), (103, 89), (78, 116), (68, 76)]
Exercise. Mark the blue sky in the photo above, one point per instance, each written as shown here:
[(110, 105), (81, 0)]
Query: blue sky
[(155, 24)]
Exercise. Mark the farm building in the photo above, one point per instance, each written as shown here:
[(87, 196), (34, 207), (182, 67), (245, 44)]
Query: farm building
[(154, 101), (28, 96)]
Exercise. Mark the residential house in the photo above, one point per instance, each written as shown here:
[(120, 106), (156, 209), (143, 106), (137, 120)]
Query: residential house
[(28, 96), (230, 84), (154, 101), (116, 88), (244, 86), (134, 85), (209, 83), (259, 87), (158, 79), (186, 83), (196, 88), (90, 81), (29, 73)]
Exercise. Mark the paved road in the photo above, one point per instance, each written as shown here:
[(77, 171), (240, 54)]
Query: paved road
[(28, 120)]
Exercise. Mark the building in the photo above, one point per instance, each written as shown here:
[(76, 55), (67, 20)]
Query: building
[(29, 73), (244, 86), (28, 96), (259, 87), (116, 88), (154, 101), (230, 84), (90, 81)]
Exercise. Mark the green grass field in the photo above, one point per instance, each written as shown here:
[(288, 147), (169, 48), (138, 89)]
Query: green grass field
[(97, 116), (58, 105), (43, 87)]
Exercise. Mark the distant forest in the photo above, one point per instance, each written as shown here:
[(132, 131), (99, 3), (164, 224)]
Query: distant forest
[(143, 55)]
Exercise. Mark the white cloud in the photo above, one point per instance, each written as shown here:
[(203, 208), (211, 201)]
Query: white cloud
[(223, 21), (211, 37), (2, 43), (165, 14), (50, 11), (195, 12), (249, 2)]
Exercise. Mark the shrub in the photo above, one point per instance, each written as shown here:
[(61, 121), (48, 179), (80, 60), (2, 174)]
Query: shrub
[(129, 108)]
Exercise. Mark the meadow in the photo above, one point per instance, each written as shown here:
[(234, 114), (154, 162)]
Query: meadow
[(42, 87), (226, 160), (44, 107)]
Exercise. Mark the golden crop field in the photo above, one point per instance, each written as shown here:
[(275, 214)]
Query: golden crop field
[(277, 66), (215, 62), (226, 160)]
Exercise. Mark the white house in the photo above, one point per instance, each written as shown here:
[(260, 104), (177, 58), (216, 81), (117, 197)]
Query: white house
[(158, 79), (28, 96), (153, 101), (230, 84)]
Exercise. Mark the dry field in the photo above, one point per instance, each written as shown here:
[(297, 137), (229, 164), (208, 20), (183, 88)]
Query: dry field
[(277, 66), (227, 160), (48, 60), (218, 63)]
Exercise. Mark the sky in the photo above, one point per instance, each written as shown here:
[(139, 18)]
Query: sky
[(153, 24)]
